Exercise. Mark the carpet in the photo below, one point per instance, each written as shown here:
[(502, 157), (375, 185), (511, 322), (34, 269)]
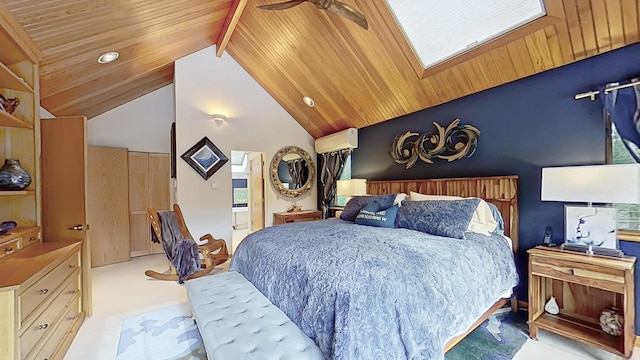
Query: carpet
[(164, 334), (499, 338), (171, 334)]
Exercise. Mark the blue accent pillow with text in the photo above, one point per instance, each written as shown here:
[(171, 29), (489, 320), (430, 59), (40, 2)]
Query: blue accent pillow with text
[(383, 218), (356, 204)]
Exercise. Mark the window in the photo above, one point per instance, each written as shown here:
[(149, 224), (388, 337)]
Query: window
[(346, 175), (628, 214), (239, 196)]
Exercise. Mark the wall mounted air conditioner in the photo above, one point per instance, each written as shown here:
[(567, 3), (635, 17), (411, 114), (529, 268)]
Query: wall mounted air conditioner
[(345, 139)]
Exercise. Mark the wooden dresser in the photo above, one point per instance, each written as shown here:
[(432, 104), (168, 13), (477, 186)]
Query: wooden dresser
[(40, 301), (287, 217)]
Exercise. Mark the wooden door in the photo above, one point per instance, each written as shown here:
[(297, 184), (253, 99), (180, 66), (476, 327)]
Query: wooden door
[(159, 194), (108, 205), (64, 178), (138, 203), (256, 191)]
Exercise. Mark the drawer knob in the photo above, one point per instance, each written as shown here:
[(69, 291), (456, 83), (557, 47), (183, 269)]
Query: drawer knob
[(72, 317), (8, 249), (43, 326), (33, 238), (71, 292), (72, 266), (43, 291)]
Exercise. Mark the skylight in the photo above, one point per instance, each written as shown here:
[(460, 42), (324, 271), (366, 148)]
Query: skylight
[(441, 30)]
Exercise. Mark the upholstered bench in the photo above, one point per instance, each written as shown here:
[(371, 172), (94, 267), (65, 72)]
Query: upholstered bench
[(237, 322)]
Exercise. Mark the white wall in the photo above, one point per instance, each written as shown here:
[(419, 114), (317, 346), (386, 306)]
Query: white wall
[(143, 124), (204, 85)]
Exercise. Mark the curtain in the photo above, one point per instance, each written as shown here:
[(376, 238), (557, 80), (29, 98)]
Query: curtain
[(299, 171), (623, 106), (331, 165)]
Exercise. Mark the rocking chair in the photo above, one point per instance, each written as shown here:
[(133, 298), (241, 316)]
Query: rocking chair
[(212, 251)]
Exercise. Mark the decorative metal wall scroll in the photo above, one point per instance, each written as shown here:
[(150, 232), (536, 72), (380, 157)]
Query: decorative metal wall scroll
[(452, 143)]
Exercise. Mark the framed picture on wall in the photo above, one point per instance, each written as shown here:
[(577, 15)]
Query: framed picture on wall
[(173, 151), (591, 226), (205, 158)]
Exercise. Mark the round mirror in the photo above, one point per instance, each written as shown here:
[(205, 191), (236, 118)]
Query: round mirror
[(292, 171)]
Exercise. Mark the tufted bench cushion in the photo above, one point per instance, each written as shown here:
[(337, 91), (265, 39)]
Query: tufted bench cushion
[(237, 322)]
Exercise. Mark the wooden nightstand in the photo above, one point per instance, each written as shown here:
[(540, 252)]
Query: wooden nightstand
[(583, 286), (287, 217)]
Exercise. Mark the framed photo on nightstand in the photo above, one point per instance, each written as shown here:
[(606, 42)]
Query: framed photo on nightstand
[(591, 226)]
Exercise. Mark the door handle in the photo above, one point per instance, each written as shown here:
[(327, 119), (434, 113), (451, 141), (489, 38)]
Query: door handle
[(77, 227)]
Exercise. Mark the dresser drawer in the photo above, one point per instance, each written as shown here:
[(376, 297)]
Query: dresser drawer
[(43, 288), (46, 322), (29, 239), (9, 247), (47, 352)]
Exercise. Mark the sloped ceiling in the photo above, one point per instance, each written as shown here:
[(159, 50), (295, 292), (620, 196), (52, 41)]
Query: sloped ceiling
[(356, 77)]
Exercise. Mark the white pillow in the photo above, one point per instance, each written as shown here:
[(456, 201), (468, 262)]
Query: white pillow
[(400, 198), (482, 221)]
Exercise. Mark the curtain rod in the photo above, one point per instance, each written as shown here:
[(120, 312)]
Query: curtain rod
[(592, 94)]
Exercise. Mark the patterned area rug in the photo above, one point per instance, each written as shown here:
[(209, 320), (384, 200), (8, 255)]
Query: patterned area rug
[(165, 334), (499, 338), (171, 334)]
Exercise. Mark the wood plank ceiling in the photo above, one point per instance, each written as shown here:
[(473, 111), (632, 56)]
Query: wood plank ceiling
[(356, 77)]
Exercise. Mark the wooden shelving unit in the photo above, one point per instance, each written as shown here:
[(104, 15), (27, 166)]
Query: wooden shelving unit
[(20, 131), (8, 120), (583, 286), (14, 193)]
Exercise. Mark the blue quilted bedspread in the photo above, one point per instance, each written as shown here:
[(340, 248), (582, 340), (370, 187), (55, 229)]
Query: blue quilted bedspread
[(365, 292)]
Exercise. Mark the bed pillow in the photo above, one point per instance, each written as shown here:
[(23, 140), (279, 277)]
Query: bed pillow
[(497, 216), (482, 222), (356, 203), (382, 218), (448, 218)]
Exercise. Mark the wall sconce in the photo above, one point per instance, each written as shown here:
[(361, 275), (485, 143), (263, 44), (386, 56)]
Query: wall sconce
[(218, 118)]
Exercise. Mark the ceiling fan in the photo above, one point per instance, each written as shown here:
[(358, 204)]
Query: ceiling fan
[(333, 6)]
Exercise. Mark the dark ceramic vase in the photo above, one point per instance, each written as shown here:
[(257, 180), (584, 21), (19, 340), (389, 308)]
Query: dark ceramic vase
[(13, 177)]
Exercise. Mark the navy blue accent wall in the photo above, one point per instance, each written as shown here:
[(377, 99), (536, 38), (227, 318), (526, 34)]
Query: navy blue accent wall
[(525, 125)]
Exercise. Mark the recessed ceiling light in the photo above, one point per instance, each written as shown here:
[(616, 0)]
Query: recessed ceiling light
[(309, 101), (108, 57)]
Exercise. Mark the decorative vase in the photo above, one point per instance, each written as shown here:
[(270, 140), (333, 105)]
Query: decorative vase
[(13, 177)]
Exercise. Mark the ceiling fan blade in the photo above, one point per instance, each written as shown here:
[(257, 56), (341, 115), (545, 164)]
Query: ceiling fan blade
[(350, 13), (282, 5)]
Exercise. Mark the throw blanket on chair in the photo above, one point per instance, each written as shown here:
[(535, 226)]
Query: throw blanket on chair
[(182, 253)]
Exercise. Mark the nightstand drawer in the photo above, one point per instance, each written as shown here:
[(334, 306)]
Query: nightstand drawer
[(575, 272)]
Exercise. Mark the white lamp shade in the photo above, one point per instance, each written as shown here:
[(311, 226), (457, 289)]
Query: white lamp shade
[(617, 184), (351, 187)]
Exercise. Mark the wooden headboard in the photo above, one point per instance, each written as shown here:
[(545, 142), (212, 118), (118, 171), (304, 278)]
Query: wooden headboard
[(499, 190)]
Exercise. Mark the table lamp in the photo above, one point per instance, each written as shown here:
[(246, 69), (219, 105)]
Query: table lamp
[(351, 187), (609, 184)]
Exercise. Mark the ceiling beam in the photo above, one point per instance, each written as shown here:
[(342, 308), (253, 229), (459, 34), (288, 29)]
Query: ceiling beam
[(229, 25)]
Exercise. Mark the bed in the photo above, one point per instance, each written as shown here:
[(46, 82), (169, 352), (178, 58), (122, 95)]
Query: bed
[(364, 292)]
